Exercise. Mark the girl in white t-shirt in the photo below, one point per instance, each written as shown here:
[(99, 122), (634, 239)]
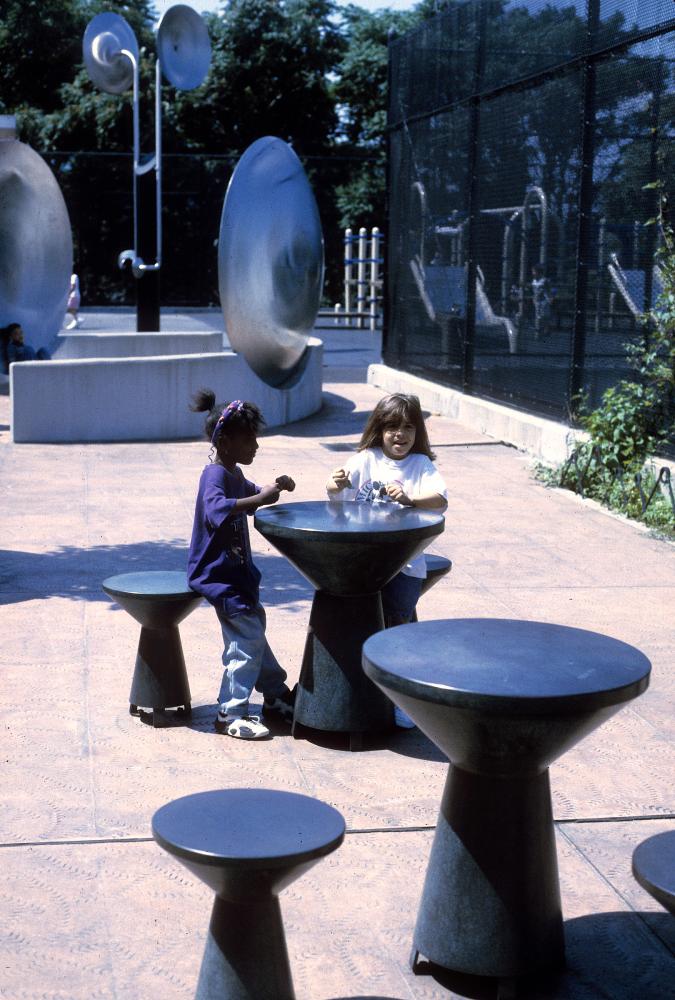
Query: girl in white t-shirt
[(394, 464)]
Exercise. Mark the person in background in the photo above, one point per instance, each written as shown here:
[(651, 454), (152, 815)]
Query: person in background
[(16, 349), (73, 303)]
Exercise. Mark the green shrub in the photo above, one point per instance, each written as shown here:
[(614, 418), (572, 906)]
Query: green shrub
[(635, 419)]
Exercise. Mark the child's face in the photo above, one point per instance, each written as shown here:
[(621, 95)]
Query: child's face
[(237, 448), (16, 336), (398, 439)]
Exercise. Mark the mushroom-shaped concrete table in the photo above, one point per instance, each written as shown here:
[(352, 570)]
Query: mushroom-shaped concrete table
[(503, 699), (347, 551)]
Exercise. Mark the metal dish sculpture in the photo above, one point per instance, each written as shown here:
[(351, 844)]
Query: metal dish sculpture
[(110, 52), (270, 259), (36, 246)]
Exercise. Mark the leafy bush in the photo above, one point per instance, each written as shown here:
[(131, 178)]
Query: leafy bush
[(635, 419)]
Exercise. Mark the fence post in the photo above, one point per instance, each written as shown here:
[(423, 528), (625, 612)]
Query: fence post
[(584, 228), (348, 273), (361, 282), (374, 274)]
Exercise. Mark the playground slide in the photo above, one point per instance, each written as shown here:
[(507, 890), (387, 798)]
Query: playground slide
[(442, 289), (631, 285)]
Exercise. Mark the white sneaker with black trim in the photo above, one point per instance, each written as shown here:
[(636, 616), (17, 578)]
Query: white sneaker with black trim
[(242, 727)]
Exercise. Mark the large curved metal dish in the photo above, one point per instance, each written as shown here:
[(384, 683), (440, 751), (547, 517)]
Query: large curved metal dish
[(104, 38), (270, 259), (36, 247), (183, 47)]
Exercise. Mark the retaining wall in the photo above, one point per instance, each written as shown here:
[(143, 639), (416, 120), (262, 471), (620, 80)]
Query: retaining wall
[(147, 398)]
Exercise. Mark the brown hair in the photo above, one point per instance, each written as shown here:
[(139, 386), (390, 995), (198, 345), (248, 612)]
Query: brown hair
[(392, 411)]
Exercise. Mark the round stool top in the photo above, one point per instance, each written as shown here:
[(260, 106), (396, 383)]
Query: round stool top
[(346, 522), (251, 825), (505, 665), (654, 867), (154, 583)]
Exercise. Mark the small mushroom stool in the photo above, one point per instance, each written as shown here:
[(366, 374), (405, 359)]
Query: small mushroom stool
[(437, 568), (503, 699), (158, 600), (247, 845), (654, 867)]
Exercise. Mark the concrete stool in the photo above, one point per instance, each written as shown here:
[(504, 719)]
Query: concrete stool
[(503, 699), (158, 600), (247, 845), (654, 867), (437, 567)]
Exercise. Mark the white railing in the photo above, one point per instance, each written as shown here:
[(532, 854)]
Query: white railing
[(362, 279)]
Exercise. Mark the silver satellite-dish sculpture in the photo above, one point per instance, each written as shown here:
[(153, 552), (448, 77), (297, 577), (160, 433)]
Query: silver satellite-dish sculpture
[(36, 246), (270, 259), (111, 56)]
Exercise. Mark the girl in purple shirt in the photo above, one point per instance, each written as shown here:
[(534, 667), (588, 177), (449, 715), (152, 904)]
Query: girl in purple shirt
[(220, 567)]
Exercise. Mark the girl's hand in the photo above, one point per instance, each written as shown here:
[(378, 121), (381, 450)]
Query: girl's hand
[(285, 483), (339, 480), (395, 491), (268, 494)]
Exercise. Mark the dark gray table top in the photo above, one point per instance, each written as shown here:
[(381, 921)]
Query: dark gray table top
[(654, 867), (160, 583), (504, 664), (252, 824), (346, 521)]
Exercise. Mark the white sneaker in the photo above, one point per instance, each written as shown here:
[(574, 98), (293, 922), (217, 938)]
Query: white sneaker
[(242, 727), (402, 720)]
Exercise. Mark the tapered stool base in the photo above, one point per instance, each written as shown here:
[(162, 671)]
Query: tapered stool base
[(160, 677), (491, 901), (245, 957)]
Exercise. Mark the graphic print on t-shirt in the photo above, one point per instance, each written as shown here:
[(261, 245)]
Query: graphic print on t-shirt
[(236, 542), (374, 491)]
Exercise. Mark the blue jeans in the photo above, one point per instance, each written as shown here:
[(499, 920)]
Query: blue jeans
[(249, 662), (399, 599)]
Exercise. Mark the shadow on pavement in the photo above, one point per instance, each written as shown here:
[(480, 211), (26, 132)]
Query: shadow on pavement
[(600, 948), (338, 417), (77, 572)]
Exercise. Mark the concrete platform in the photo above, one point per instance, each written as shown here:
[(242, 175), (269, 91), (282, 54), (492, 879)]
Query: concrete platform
[(92, 908)]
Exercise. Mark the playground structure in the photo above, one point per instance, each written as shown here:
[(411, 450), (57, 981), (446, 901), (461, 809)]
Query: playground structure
[(442, 281), (439, 271), (362, 279), (630, 284)]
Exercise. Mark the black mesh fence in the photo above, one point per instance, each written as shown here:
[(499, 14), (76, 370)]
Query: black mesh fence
[(521, 138)]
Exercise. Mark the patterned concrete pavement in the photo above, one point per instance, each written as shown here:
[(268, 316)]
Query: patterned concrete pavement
[(93, 908)]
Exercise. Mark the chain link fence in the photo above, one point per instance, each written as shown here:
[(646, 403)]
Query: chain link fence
[(521, 138)]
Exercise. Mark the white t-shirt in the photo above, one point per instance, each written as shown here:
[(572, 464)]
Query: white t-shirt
[(370, 471)]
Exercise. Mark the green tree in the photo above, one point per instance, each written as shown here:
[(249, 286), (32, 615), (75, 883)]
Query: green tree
[(40, 48), (271, 61), (360, 90)]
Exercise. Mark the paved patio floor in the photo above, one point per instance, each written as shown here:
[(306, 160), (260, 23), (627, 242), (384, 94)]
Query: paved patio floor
[(92, 908)]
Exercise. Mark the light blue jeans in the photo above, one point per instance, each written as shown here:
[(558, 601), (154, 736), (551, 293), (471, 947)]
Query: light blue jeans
[(248, 661)]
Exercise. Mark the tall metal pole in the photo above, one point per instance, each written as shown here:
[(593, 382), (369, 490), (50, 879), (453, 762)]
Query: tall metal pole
[(585, 222), (474, 203)]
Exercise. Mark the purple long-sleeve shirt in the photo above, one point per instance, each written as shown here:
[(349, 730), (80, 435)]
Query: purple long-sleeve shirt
[(220, 566)]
